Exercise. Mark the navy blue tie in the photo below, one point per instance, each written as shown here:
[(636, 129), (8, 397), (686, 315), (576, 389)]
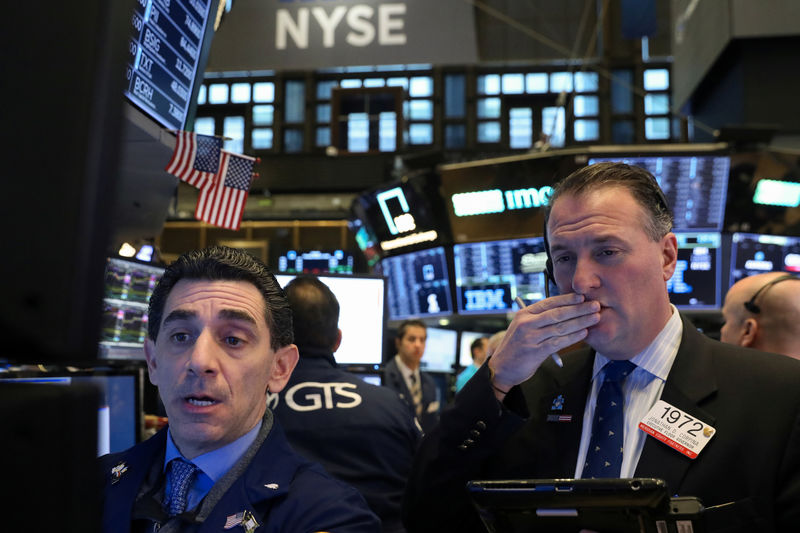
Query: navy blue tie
[(180, 476), (604, 456)]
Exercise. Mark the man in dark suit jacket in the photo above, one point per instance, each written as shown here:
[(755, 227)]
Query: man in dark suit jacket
[(402, 374), (361, 433), (219, 339), (521, 416)]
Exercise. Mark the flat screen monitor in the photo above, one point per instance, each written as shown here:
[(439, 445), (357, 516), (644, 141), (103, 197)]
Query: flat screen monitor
[(168, 48), (696, 186), (128, 286), (441, 348), (490, 275), (418, 284), (316, 262), (119, 415), (361, 315), (465, 343), (753, 253), (697, 283)]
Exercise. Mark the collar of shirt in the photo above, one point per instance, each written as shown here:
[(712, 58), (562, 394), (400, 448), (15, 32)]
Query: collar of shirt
[(659, 355), (407, 372)]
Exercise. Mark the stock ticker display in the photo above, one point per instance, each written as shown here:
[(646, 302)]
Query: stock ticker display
[(489, 275), (166, 41), (418, 284), (696, 283), (753, 253)]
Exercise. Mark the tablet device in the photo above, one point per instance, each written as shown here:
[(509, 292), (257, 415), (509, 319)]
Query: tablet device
[(570, 505)]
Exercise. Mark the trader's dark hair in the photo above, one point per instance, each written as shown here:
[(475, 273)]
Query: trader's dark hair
[(639, 182), (477, 343), (220, 263), (315, 313), (401, 330)]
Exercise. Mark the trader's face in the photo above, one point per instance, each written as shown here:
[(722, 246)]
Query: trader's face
[(600, 249), (212, 363), (411, 345)]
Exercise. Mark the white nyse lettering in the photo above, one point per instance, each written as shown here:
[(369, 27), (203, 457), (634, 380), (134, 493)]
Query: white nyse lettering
[(386, 24), (285, 24), (328, 24), (356, 19)]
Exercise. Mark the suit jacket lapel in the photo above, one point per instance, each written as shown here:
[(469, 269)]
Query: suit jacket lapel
[(690, 381)]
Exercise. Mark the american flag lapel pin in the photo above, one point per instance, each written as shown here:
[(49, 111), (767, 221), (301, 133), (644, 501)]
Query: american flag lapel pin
[(244, 519)]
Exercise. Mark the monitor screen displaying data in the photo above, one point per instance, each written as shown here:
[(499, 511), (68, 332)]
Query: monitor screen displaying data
[(696, 283), (316, 262), (361, 316), (418, 284), (440, 350), (490, 275), (696, 186), (755, 253)]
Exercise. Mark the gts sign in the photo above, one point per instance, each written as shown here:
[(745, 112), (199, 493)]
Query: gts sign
[(497, 201)]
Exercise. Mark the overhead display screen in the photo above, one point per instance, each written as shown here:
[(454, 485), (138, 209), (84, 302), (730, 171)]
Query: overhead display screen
[(753, 253), (696, 283), (489, 275), (418, 284), (164, 53), (696, 187)]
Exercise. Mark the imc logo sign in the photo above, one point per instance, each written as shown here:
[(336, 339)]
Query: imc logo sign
[(497, 201)]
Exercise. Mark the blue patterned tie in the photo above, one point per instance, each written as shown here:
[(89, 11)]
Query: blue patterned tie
[(180, 476), (604, 456)]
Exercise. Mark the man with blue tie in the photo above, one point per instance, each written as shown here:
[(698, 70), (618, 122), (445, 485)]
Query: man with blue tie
[(220, 339), (645, 372)]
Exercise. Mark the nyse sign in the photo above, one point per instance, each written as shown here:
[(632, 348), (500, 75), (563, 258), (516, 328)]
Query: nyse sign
[(313, 34)]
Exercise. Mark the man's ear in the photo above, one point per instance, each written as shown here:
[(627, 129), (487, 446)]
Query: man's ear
[(669, 254), (749, 332), (338, 340), (152, 362), (282, 367)]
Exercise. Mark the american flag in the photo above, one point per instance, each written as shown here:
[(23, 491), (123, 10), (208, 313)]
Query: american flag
[(222, 200), (195, 159)]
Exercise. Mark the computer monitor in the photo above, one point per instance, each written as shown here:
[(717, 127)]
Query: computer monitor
[(490, 275), (697, 282), (695, 185), (128, 287), (418, 284), (361, 315), (464, 346), (316, 262), (441, 348), (119, 415), (753, 253)]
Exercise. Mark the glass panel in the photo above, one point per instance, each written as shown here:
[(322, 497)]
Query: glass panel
[(656, 128), (420, 110), (536, 83), (586, 82), (263, 115), (455, 136), (553, 125), (656, 104), (233, 127), (295, 101), (586, 106), (261, 138), (397, 82), (420, 134), (240, 93), (489, 84), (201, 95), (374, 82), (204, 125), (622, 132), (324, 113), (513, 83), (387, 132), (323, 137), (357, 132), (489, 108), (656, 79), (622, 91), (421, 86), (350, 84), (218, 93), (324, 89), (560, 81), (455, 104), (520, 127), (264, 91), (292, 140), (488, 132), (586, 130)]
